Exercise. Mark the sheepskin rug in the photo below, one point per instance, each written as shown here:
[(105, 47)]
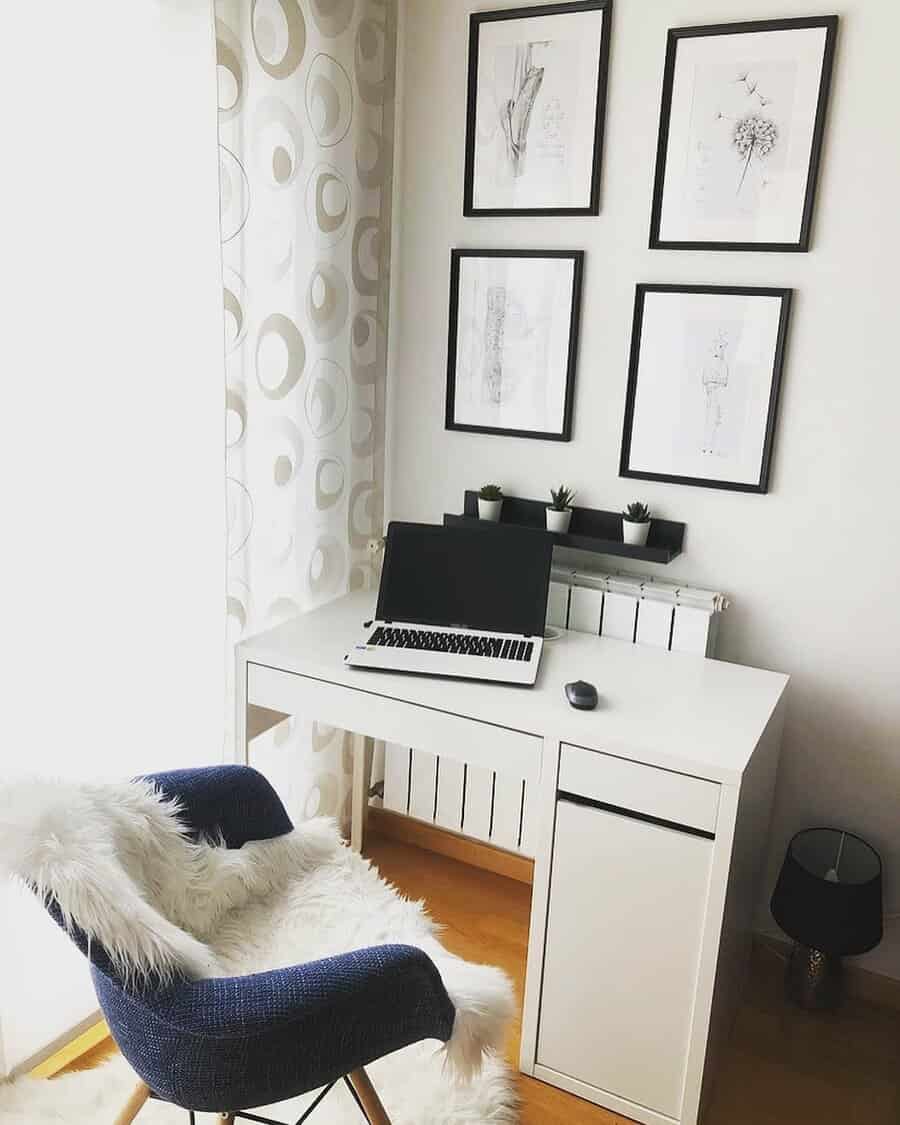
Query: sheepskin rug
[(335, 901), (412, 1085)]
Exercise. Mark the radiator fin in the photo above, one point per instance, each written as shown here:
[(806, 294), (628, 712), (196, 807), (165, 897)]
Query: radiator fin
[(396, 777), (451, 775), (423, 780), (507, 811), (476, 820), (619, 617), (654, 624)]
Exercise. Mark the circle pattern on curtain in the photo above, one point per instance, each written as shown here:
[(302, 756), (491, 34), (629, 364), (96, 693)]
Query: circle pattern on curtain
[(306, 157)]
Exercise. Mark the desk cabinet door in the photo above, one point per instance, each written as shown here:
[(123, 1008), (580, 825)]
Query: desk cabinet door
[(627, 905)]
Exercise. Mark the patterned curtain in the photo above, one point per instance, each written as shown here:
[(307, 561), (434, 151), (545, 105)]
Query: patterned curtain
[(306, 93)]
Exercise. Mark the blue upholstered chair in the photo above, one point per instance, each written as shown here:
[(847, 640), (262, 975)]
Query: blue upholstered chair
[(226, 1044)]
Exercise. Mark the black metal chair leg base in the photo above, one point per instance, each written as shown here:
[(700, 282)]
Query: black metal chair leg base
[(238, 1116), (307, 1113)]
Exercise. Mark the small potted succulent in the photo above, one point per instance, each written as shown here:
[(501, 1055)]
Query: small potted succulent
[(559, 510), (636, 524), (490, 501)]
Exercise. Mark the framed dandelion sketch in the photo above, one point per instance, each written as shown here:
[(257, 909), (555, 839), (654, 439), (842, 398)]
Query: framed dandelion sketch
[(740, 134), (703, 385), (513, 342), (537, 91)]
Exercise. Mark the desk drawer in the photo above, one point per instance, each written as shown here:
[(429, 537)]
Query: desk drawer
[(645, 791), (366, 712)]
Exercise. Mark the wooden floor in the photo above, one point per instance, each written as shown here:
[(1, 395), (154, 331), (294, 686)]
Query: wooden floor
[(784, 1066)]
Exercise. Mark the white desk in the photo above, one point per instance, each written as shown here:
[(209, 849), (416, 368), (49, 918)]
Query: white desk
[(652, 810)]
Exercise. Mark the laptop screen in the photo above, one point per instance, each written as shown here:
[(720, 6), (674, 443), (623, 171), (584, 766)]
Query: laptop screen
[(475, 577)]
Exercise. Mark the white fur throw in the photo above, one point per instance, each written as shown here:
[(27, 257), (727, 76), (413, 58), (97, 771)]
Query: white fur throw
[(123, 868)]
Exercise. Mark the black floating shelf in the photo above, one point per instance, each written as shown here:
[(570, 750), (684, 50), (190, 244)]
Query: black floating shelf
[(589, 530)]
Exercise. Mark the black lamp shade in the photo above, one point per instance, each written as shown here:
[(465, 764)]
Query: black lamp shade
[(828, 895)]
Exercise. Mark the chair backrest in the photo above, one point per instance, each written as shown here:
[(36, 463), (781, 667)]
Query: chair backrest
[(137, 872), (233, 803)]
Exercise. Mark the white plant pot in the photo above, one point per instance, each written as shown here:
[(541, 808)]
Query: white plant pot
[(489, 510), (559, 521), (635, 534)]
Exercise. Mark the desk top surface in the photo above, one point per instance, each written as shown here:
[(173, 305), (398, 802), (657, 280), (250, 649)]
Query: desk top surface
[(669, 709)]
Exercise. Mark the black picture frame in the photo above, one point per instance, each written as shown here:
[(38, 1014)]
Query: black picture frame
[(830, 23), (762, 484), (577, 259), (476, 22)]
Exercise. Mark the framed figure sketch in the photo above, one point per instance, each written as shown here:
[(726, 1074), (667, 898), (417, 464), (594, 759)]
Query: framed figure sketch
[(703, 385), (534, 124), (740, 134), (513, 341)]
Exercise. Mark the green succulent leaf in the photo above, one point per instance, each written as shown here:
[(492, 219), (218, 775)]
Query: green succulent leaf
[(491, 492), (561, 498), (636, 512)]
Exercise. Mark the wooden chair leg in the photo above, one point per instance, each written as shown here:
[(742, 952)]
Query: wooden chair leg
[(134, 1104), (226, 1118), (367, 1094)]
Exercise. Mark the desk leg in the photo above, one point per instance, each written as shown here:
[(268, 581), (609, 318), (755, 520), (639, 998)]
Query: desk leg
[(545, 821), (240, 750), (369, 758), (363, 752)]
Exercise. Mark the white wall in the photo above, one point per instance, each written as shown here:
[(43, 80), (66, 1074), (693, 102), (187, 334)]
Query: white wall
[(812, 567), (112, 438)]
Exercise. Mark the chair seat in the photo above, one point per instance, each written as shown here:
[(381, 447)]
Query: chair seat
[(239, 1042)]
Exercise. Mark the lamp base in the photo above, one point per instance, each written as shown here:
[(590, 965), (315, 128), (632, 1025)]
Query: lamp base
[(813, 978)]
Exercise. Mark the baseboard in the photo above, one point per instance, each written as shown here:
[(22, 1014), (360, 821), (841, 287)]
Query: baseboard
[(862, 984), (393, 826), (70, 1052)]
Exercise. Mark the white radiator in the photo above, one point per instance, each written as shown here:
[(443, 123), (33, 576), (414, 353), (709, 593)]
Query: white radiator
[(634, 608), (494, 807)]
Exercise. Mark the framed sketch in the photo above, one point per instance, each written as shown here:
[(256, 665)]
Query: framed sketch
[(703, 385), (534, 125), (740, 134), (513, 342)]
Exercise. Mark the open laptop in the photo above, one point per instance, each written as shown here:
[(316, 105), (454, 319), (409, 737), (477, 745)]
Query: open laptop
[(460, 601)]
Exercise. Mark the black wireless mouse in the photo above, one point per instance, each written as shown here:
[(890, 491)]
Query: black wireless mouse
[(582, 695)]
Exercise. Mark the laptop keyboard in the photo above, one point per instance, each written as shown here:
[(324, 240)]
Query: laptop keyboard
[(465, 644)]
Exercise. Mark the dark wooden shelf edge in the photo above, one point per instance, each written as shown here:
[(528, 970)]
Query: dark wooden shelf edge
[(597, 546)]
